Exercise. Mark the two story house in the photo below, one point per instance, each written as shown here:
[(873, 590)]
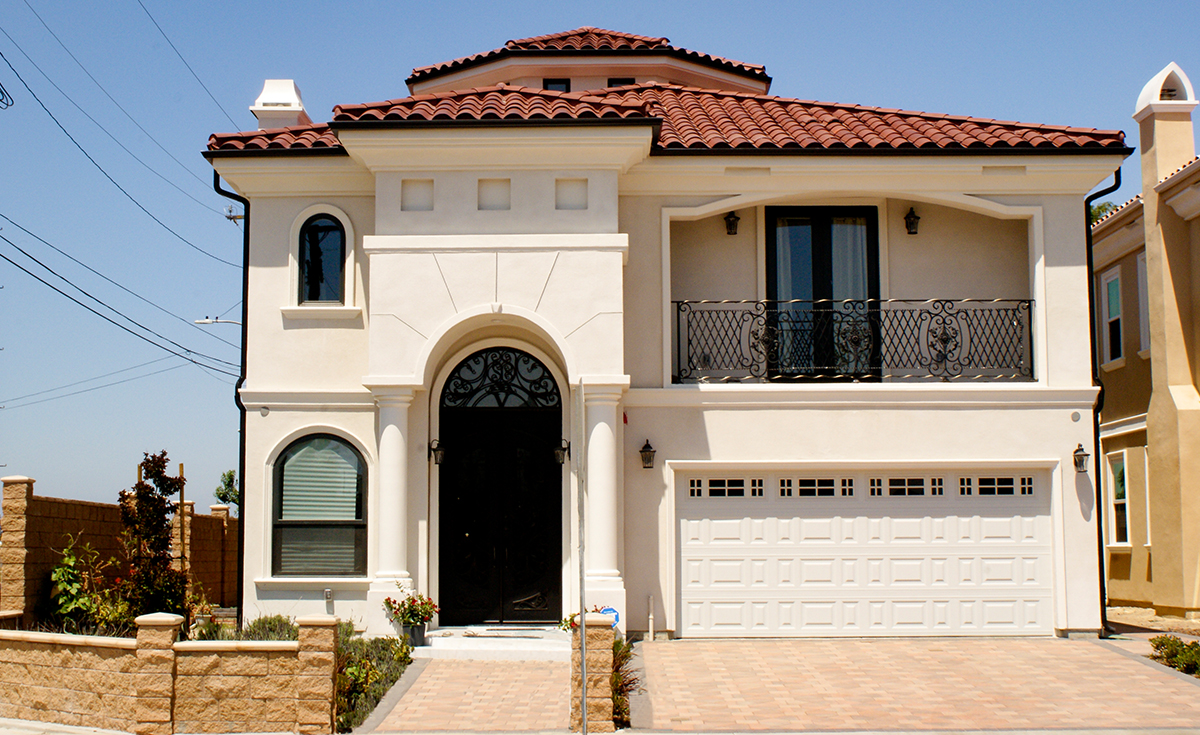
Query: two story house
[(774, 367), (1145, 253)]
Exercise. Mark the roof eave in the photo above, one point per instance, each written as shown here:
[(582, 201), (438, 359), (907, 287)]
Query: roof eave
[(889, 151), (272, 152)]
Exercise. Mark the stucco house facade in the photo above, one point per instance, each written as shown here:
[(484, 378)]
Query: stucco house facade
[(1146, 306), (596, 265)]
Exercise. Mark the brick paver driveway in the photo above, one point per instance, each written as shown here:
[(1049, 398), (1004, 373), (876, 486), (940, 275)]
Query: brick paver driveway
[(480, 696), (909, 684)]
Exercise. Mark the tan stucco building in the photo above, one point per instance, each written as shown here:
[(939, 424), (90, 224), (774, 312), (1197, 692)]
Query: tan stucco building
[(820, 368), (1145, 255)]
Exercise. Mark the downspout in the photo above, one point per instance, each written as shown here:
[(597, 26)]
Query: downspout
[(237, 390), (1087, 215)]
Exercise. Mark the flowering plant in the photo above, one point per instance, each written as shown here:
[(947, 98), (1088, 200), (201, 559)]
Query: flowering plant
[(571, 622), (414, 609)]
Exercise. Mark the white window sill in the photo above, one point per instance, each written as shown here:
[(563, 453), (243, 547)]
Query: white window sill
[(1144, 354), (1120, 548), (312, 583), (321, 312), (1113, 364)]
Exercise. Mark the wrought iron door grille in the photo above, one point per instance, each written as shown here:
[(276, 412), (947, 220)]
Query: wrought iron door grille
[(866, 339)]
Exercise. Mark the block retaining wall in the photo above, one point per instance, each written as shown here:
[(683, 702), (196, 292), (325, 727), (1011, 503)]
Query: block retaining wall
[(156, 685), (600, 636)]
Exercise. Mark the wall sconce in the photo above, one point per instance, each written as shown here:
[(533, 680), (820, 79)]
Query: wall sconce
[(910, 221), (562, 453), (731, 221), (1080, 456), (436, 451), (647, 453)]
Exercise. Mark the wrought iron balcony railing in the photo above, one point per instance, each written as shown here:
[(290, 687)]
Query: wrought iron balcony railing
[(868, 339)]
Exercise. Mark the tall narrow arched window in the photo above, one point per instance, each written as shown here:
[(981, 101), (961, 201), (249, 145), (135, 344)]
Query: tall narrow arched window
[(322, 257), (320, 526)]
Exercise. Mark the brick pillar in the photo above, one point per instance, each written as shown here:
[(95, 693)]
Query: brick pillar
[(222, 512), (318, 669), (599, 633), (15, 589), (155, 680)]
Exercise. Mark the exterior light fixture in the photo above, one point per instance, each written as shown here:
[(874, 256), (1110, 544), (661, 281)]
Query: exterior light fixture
[(1080, 456), (731, 221), (647, 453), (910, 221), (563, 452), (436, 451)]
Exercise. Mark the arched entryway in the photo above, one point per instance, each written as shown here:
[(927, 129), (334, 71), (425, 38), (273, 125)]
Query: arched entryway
[(500, 491)]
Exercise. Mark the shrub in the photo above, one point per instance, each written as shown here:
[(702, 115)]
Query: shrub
[(82, 602), (366, 669), (1173, 652), (624, 682), (413, 610), (152, 585), (270, 628)]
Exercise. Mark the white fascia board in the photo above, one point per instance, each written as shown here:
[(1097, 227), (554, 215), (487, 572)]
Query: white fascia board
[(281, 398), (591, 242), (303, 175), (1116, 244), (864, 397), (1182, 193), (855, 174), (533, 147), (844, 465)]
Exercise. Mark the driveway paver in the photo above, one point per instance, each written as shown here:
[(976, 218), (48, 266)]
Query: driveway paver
[(483, 696), (893, 685)]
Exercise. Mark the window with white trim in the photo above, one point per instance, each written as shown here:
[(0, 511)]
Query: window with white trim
[(1118, 502), (1110, 314), (1143, 304), (322, 260), (906, 486), (319, 527)]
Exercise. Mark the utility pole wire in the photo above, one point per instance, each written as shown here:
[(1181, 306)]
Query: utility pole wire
[(85, 380), (105, 318), (189, 66), (106, 94), (132, 321), (105, 130), (136, 295), (94, 387), (129, 196)]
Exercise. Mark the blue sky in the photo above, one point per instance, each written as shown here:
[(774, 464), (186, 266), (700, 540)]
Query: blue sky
[(1044, 62)]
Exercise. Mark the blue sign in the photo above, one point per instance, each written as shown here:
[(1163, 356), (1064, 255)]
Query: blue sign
[(612, 611)]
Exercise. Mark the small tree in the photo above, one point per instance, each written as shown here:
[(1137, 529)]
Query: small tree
[(1099, 210), (227, 491), (152, 586)]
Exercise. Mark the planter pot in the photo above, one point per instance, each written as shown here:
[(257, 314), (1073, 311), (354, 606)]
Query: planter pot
[(415, 634)]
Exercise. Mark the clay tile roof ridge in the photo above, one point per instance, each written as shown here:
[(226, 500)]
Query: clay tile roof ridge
[(1178, 171), (583, 97), (1137, 199), (585, 30)]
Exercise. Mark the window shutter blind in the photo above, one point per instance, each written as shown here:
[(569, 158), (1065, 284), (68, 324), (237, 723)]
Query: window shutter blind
[(320, 482)]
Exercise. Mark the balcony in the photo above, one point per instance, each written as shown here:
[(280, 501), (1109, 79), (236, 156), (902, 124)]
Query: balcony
[(856, 340)]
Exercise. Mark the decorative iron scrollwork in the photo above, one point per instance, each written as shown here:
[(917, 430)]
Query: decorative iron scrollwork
[(501, 377)]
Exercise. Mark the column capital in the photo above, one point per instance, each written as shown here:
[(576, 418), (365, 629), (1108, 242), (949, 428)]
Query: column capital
[(601, 389), (391, 395)]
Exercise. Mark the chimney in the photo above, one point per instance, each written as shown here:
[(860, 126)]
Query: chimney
[(279, 105), (1164, 114)]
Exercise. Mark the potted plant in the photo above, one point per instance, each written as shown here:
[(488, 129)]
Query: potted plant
[(412, 613)]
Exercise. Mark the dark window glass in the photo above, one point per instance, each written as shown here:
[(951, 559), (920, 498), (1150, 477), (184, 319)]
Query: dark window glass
[(620, 81), (319, 523), (322, 256), (557, 85)]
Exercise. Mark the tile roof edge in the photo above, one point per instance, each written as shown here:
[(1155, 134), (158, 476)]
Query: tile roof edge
[(1121, 210), (1178, 174)]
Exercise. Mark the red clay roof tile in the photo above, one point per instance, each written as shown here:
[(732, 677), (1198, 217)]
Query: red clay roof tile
[(588, 39), (697, 120)]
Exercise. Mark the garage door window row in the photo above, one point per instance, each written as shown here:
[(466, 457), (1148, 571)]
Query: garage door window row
[(829, 487)]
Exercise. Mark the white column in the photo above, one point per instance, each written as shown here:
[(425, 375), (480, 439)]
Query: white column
[(392, 523), (603, 503)]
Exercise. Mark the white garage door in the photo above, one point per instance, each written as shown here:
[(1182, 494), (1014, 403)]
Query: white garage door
[(777, 554)]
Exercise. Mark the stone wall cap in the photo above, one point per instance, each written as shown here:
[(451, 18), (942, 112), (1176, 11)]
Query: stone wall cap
[(66, 639), (159, 620), (193, 646), (595, 618), (317, 620), (14, 479)]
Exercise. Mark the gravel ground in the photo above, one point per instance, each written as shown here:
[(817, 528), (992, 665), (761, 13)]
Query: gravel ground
[(1144, 618)]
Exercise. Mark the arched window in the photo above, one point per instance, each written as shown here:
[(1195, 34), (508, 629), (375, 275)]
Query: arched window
[(320, 527), (322, 259)]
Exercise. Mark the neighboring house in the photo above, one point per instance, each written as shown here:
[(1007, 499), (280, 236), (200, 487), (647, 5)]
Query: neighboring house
[(603, 240), (1147, 306)]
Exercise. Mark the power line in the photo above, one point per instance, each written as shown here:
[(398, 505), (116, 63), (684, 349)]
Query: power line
[(104, 129), (132, 321), (136, 295), (93, 388), (106, 94), (107, 319), (129, 196), (189, 66), (86, 380)]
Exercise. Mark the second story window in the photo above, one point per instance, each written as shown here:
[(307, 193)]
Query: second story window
[(621, 81), (557, 85), (1110, 318), (322, 257)]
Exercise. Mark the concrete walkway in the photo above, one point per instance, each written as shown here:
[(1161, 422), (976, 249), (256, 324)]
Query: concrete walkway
[(903, 685)]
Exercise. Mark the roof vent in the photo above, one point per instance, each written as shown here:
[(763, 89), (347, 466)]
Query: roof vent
[(1169, 91), (279, 105)]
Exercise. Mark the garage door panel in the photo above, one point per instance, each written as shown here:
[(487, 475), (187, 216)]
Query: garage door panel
[(831, 566)]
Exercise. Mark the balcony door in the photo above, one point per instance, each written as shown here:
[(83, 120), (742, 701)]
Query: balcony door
[(822, 278)]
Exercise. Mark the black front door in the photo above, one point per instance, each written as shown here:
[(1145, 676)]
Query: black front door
[(500, 548)]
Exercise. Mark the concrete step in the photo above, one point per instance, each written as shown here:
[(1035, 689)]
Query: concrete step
[(497, 643)]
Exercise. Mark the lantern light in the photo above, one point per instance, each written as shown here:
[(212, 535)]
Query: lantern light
[(1080, 456), (647, 453)]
